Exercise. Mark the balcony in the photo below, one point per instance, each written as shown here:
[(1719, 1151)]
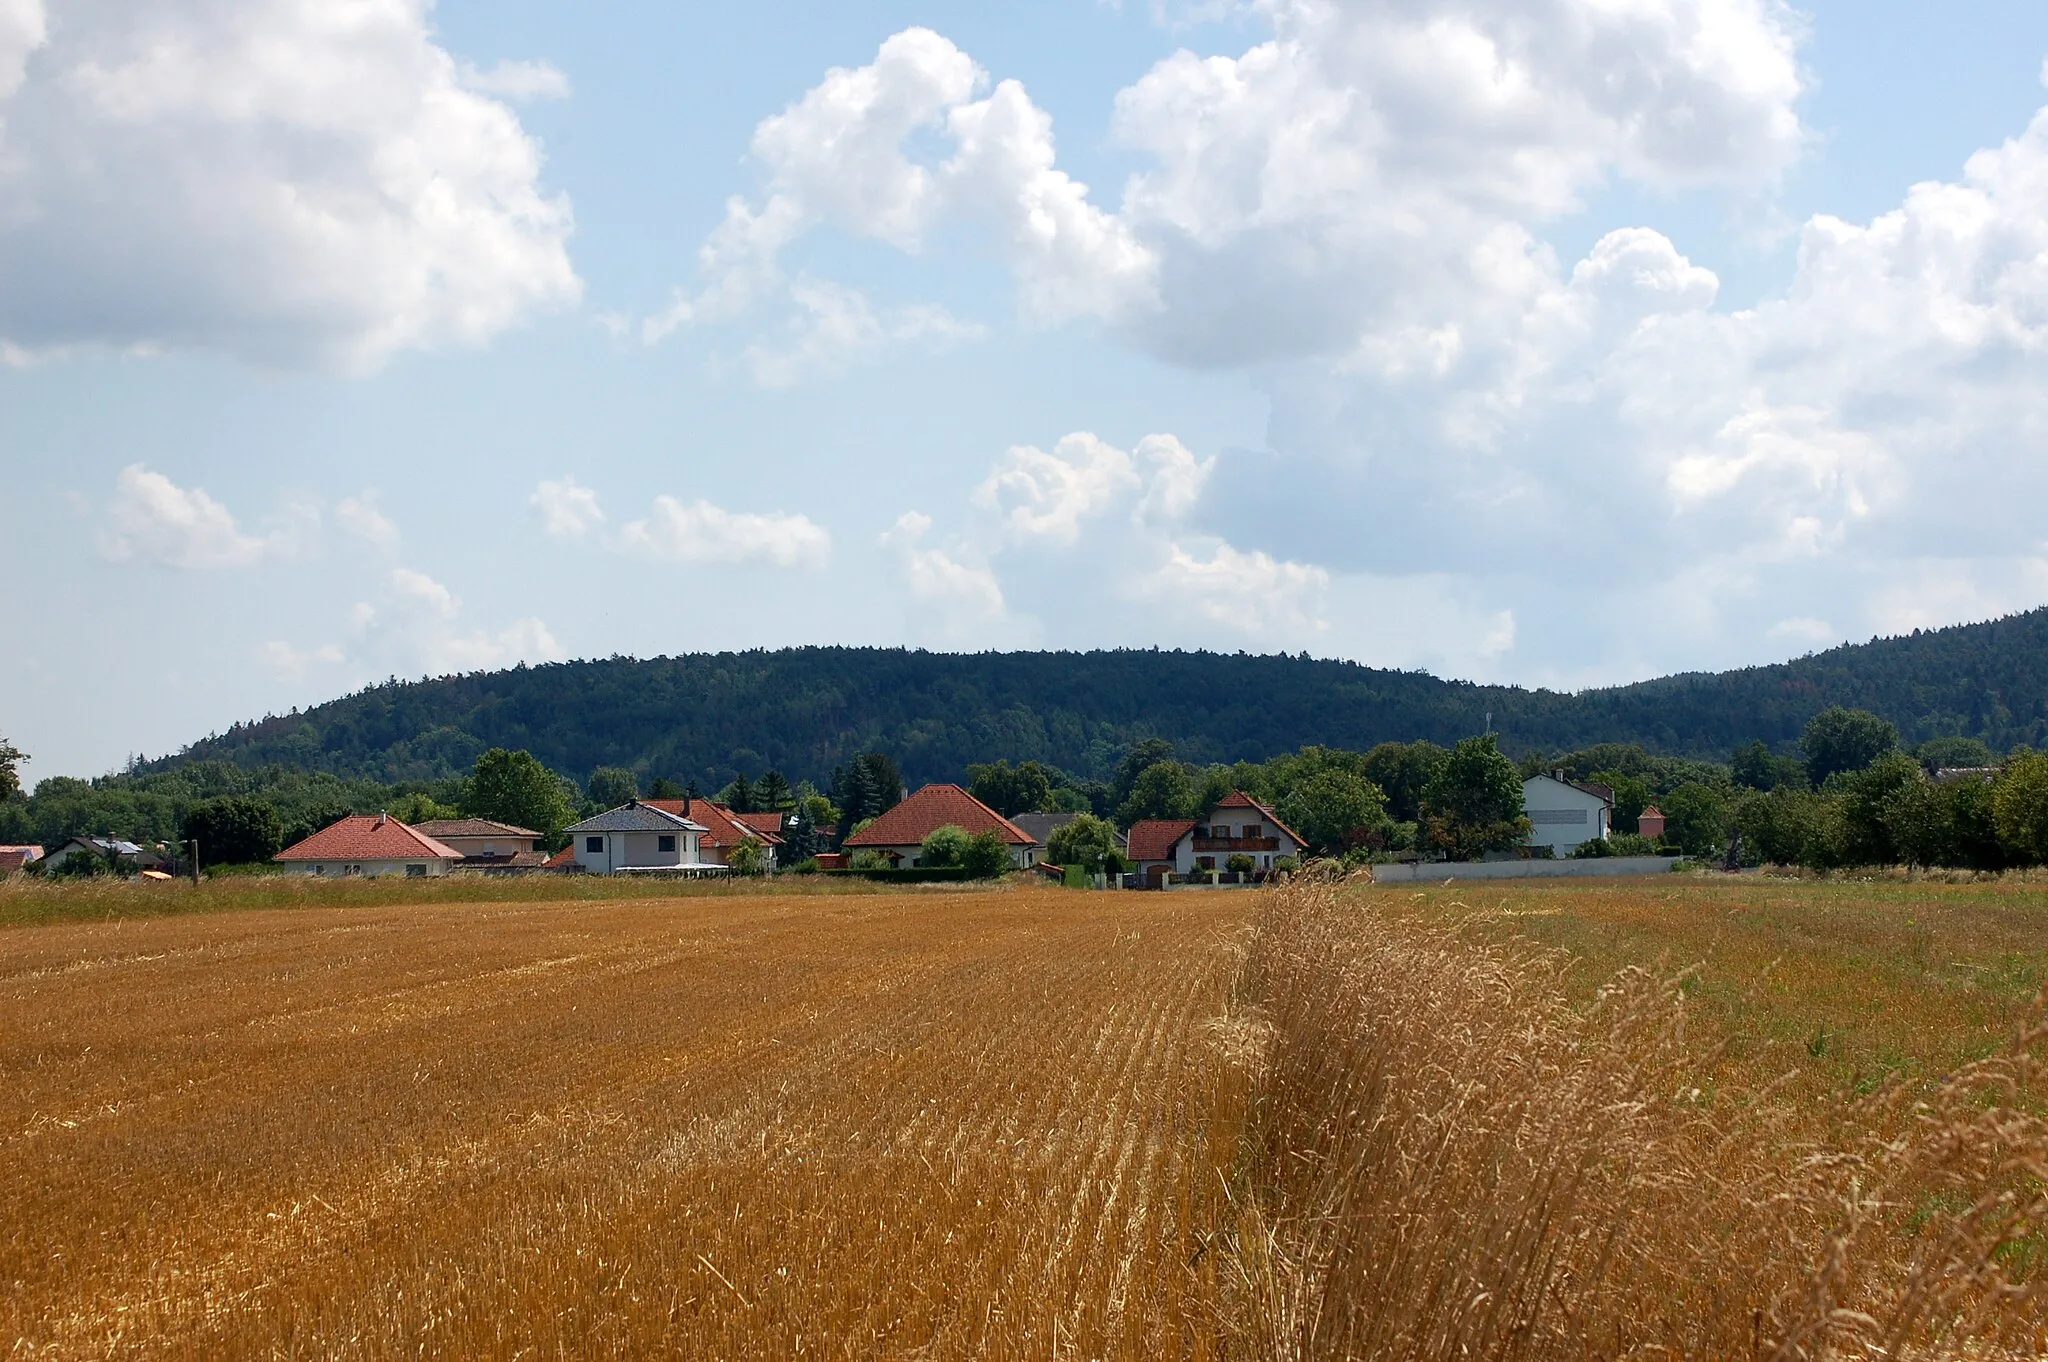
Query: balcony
[(1204, 845)]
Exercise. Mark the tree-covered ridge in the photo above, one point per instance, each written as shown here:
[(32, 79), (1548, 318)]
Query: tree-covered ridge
[(805, 711)]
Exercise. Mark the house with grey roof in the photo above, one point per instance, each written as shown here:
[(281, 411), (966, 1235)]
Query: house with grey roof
[(638, 838)]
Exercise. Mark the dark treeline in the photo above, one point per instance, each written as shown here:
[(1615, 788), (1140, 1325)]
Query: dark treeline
[(806, 711)]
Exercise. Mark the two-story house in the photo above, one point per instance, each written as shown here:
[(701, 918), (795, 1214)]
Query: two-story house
[(1237, 825)]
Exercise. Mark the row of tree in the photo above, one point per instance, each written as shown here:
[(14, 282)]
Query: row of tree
[(1851, 795)]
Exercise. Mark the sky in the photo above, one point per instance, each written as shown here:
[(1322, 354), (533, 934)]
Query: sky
[(1556, 342)]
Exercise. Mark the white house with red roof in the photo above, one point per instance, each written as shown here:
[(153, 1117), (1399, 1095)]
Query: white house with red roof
[(369, 845), (899, 834), (1237, 825), (487, 845), (724, 830)]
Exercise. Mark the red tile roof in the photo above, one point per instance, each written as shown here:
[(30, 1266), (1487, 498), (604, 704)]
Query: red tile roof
[(932, 808), (565, 857), (724, 828), (12, 860), (1153, 839), (767, 826), (368, 837), (1238, 799), (473, 827)]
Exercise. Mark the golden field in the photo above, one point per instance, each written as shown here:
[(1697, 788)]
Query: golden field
[(1683, 1117)]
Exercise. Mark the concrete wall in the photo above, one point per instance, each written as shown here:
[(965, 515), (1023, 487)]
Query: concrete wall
[(1438, 872)]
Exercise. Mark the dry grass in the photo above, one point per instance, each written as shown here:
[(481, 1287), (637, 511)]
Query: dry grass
[(1449, 1158), (944, 1125), (1482, 1121), (29, 901)]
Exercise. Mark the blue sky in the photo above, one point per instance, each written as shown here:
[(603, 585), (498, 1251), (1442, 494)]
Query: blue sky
[(1558, 343)]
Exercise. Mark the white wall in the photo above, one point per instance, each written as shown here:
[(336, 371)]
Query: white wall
[(634, 851), (369, 870), (1563, 816)]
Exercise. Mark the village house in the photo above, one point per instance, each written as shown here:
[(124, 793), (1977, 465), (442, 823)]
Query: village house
[(486, 845), (639, 838), (369, 846), (1237, 825), (1564, 814), (899, 834), (139, 857), (15, 859), (725, 830)]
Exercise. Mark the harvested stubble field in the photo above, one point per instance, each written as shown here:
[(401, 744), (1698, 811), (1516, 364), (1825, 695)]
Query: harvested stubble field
[(1508, 1122)]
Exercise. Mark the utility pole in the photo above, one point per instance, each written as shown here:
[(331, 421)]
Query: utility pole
[(193, 843)]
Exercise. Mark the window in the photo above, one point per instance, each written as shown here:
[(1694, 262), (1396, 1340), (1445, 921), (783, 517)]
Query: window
[(319, 870), (1205, 862), (1254, 830), (593, 846), (1219, 831), (665, 843), (415, 872)]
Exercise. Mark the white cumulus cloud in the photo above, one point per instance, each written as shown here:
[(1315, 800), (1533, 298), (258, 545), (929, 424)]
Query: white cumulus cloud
[(699, 532), (567, 509), (938, 577), (153, 520), (362, 519), (294, 184)]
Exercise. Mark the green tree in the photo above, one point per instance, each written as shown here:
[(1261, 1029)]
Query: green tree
[(2019, 804), (1165, 789), (773, 794), (748, 858), (514, 787), (986, 856), (11, 758), (1758, 768), (1840, 741), (1945, 754), (1696, 819), (237, 830), (1873, 800), (943, 848), (1009, 790), (1473, 804), (611, 786), (418, 808), (739, 796), (1333, 805), (1140, 757), (1403, 770), (1086, 842), (1631, 796), (664, 788)]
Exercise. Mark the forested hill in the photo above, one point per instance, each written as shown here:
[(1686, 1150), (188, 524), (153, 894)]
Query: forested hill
[(803, 710)]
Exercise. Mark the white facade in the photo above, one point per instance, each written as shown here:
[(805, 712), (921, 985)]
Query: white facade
[(638, 837), (418, 868), (1021, 857), (1563, 816)]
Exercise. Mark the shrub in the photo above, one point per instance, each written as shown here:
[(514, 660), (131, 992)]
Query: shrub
[(1086, 842), (986, 856), (748, 858), (1240, 864), (944, 847), (808, 866), (865, 859), (2020, 804)]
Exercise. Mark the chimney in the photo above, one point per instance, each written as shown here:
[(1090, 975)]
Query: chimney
[(382, 818)]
